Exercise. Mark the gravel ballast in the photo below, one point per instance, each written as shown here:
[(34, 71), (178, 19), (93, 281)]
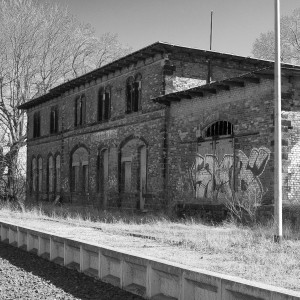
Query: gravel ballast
[(25, 276)]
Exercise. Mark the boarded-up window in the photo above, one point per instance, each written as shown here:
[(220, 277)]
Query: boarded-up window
[(34, 175), (57, 174), (103, 171), (79, 176), (127, 176), (50, 174), (40, 174), (143, 169)]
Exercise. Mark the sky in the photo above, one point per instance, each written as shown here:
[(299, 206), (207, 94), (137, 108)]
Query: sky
[(139, 23)]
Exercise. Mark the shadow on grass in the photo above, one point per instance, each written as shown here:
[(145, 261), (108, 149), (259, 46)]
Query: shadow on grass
[(70, 281)]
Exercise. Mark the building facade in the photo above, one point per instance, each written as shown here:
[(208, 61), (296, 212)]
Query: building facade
[(164, 125)]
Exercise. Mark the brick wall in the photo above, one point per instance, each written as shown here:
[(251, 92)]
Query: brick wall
[(250, 110), (250, 156), (183, 71), (146, 124)]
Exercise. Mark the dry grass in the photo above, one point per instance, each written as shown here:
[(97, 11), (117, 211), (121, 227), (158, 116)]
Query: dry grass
[(230, 249)]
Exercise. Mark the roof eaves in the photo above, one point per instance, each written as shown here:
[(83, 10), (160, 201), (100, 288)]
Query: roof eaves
[(148, 51), (224, 84)]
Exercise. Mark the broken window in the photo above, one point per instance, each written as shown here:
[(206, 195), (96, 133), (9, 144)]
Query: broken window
[(79, 172), (219, 128), (104, 104), (57, 173), (40, 174), (50, 174), (54, 120), (133, 93), (36, 124), (80, 107)]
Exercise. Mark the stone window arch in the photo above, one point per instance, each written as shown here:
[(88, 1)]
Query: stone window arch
[(80, 170)]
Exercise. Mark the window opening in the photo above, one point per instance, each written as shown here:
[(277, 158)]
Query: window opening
[(104, 105), (79, 171), (142, 175), (126, 170), (54, 119), (36, 124), (80, 107), (57, 173), (219, 128), (40, 174), (133, 94), (50, 174), (34, 175)]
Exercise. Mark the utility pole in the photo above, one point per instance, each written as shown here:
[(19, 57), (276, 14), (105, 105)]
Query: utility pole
[(277, 137), (211, 29)]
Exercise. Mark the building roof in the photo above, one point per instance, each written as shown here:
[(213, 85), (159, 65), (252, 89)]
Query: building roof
[(144, 53), (225, 84)]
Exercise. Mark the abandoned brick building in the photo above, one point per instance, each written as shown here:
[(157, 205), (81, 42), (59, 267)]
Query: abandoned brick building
[(164, 125)]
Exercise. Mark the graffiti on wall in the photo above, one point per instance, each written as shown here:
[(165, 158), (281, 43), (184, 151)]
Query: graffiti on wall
[(215, 178)]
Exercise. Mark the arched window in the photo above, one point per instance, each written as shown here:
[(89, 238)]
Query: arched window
[(133, 93), (104, 104), (50, 173), (57, 174), (40, 174), (80, 166), (34, 174), (219, 128), (80, 106), (133, 166)]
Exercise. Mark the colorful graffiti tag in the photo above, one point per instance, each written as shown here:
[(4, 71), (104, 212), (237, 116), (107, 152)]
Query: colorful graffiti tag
[(214, 179)]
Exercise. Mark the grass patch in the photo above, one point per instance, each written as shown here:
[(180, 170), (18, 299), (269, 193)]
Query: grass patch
[(247, 252)]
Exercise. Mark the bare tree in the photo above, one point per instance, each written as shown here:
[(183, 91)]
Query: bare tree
[(42, 46), (263, 46)]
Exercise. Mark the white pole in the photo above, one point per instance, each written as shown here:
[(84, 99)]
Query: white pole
[(277, 138)]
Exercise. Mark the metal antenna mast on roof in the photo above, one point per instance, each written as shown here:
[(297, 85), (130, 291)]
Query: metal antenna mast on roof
[(210, 45)]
